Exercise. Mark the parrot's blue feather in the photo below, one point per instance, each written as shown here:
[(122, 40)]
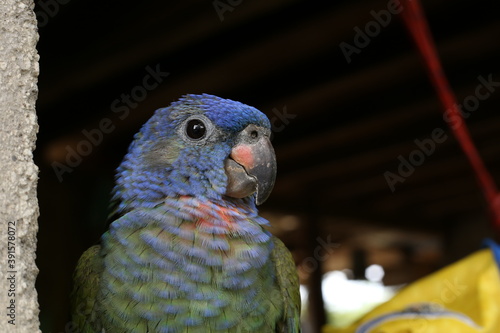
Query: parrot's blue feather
[(227, 114), (172, 309)]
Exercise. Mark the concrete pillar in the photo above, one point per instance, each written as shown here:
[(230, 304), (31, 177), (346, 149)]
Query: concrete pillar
[(18, 173)]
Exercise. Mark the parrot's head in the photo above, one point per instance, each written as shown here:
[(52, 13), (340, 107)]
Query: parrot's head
[(200, 146)]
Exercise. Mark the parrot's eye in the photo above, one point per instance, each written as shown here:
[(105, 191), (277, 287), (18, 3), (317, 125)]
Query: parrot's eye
[(196, 129)]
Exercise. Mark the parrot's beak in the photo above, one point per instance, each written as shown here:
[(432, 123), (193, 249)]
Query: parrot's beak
[(251, 166)]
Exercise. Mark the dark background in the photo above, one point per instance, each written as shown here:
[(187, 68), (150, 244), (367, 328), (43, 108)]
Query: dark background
[(338, 124)]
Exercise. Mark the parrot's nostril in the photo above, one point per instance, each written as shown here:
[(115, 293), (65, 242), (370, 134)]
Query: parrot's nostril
[(254, 134)]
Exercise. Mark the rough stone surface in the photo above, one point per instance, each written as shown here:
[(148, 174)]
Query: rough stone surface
[(18, 173)]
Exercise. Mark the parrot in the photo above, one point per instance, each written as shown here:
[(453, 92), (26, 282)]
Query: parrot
[(188, 251)]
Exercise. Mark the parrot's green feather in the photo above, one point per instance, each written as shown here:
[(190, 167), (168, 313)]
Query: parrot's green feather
[(288, 283), (86, 285)]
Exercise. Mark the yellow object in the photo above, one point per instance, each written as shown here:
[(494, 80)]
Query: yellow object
[(461, 298)]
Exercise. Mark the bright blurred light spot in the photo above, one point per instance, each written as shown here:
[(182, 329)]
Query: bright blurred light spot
[(374, 273), (347, 300), (304, 294)]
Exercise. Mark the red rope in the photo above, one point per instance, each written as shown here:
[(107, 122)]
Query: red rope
[(416, 23)]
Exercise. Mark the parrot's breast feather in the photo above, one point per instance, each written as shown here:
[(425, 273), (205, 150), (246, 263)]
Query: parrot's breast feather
[(190, 263)]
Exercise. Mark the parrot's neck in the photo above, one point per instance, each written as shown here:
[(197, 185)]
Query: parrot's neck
[(228, 212)]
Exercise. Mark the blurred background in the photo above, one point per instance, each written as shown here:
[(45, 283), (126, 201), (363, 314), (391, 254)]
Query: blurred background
[(372, 192)]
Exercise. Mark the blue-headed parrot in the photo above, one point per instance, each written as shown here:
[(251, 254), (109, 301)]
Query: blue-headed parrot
[(188, 251)]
